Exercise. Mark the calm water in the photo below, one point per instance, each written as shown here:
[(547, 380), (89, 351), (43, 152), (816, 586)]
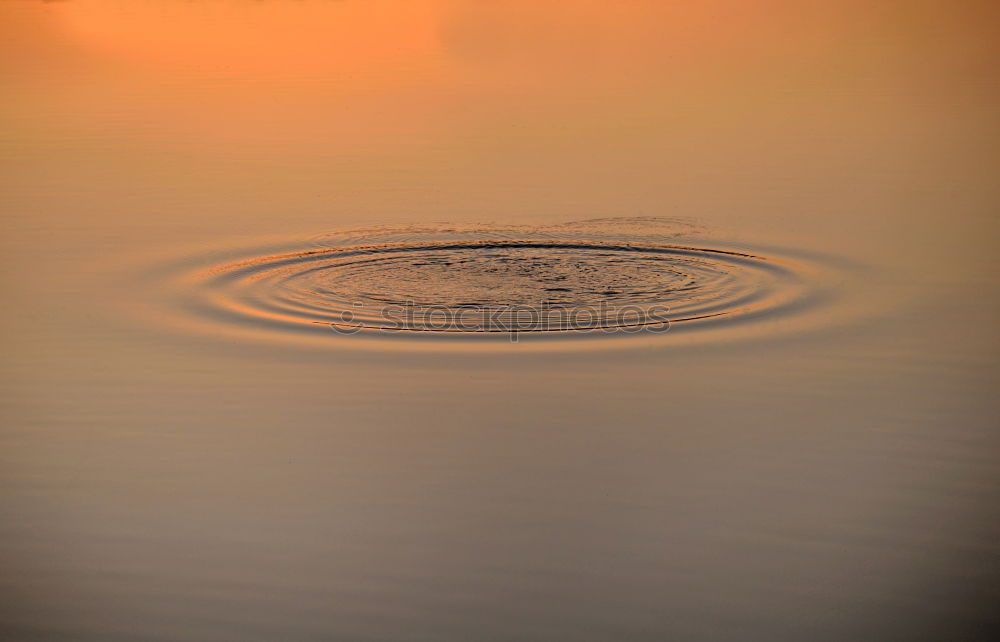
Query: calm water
[(212, 210)]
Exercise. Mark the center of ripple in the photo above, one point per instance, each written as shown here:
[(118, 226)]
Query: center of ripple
[(507, 276)]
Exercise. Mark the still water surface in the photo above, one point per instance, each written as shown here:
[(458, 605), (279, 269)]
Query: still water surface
[(196, 194)]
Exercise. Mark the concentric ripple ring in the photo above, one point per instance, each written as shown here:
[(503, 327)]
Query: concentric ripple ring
[(481, 283)]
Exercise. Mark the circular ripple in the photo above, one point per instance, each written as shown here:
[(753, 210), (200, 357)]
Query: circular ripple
[(589, 280), (499, 286)]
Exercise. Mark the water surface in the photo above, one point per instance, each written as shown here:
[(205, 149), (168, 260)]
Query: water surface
[(196, 194)]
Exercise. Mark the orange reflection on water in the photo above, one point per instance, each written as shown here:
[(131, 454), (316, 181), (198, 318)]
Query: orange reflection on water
[(259, 40), (445, 108), (314, 76)]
